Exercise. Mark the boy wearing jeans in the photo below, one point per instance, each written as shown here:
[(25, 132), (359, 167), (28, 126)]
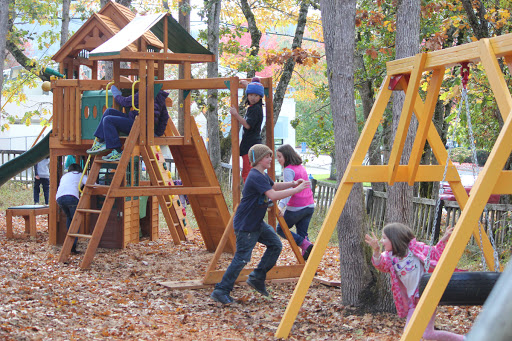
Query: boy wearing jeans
[(250, 228)]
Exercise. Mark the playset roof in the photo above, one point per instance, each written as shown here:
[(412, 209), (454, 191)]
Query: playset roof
[(179, 40)]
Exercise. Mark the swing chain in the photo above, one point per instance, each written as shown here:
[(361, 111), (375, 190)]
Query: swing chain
[(464, 97), (438, 200)]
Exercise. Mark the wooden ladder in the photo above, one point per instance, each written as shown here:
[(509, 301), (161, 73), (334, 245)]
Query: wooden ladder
[(91, 189), (170, 204)]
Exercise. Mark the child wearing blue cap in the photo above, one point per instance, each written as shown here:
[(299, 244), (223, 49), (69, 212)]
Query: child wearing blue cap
[(252, 121)]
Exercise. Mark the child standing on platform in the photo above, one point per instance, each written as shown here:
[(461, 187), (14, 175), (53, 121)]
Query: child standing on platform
[(252, 121), (404, 258), (299, 208), (114, 121), (250, 228)]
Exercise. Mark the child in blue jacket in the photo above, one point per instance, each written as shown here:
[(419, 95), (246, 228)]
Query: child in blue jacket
[(250, 227)]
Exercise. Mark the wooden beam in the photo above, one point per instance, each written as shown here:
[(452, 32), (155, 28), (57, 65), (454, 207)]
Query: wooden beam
[(424, 122), (405, 117), (495, 76), (235, 144), (168, 58), (163, 190), (286, 271)]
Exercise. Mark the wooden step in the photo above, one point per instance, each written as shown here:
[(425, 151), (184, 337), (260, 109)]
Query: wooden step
[(88, 210), (78, 235), (96, 189)]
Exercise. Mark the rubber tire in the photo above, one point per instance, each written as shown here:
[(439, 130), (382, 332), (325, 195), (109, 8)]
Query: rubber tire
[(465, 288)]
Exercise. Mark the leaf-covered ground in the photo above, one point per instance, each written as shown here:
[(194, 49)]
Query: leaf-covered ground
[(119, 297)]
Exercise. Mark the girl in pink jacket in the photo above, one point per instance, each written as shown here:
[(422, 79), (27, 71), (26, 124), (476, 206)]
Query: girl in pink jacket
[(404, 259)]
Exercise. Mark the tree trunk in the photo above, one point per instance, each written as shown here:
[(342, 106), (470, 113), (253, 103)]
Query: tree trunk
[(184, 20), (477, 20), (254, 32), (4, 23), (64, 31), (399, 203), (212, 115), (338, 21), (289, 66), (365, 87)]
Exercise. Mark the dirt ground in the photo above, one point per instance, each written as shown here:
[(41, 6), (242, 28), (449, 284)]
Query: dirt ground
[(120, 298)]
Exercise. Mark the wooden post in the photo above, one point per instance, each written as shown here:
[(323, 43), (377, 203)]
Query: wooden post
[(142, 101), (235, 145), (269, 112), (150, 103), (54, 182), (186, 105)]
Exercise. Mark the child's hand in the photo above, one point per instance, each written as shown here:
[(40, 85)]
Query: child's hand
[(303, 185), (281, 211), (298, 182), (373, 241), (233, 111), (447, 234)]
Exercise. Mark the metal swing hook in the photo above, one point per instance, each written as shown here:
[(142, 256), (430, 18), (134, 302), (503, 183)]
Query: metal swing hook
[(464, 72)]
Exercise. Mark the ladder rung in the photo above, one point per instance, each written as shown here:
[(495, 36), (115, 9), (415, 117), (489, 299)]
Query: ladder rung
[(87, 236), (97, 189), (88, 210)]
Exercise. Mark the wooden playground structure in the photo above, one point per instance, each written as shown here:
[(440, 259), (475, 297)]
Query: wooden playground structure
[(139, 48), (405, 75)]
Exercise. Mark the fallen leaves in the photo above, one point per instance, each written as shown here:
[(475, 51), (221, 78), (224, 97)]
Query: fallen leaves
[(119, 298)]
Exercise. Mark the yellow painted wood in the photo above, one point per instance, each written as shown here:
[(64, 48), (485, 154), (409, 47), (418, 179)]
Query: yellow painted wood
[(406, 115), (462, 232), (504, 183), (495, 77), (378, 173), (314, 259), (424, 122)]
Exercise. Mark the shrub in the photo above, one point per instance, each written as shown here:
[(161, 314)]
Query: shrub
[(482, 156), (460, 154)]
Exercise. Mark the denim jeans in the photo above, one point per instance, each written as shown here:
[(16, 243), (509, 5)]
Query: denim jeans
[(301, 220), (113, 122), (68, 204), (45, 182), (245, 243)]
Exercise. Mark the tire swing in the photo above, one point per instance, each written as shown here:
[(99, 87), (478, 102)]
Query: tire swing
[(466, 287)]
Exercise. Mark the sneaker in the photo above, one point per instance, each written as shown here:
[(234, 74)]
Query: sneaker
[(259, 286), (221, 297), (75, 251), (113, 156), (97, 148), (307, 252)]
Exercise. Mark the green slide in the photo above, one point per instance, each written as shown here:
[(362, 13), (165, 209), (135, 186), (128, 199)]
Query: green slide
[(26, 160)]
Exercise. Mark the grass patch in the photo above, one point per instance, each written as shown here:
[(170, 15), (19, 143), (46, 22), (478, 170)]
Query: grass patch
[(316, 224), (14, 193)]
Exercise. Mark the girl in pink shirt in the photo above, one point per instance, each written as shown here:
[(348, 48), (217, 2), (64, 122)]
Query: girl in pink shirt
[(404, 258), (299, 208)]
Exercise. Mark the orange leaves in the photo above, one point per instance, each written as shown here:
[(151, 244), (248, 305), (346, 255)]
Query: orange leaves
[(435, 42), (374, 53), (300, 56)]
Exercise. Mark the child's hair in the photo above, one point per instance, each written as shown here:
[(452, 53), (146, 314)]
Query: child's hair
[(399, 235), (290, 155), (75, 167)]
